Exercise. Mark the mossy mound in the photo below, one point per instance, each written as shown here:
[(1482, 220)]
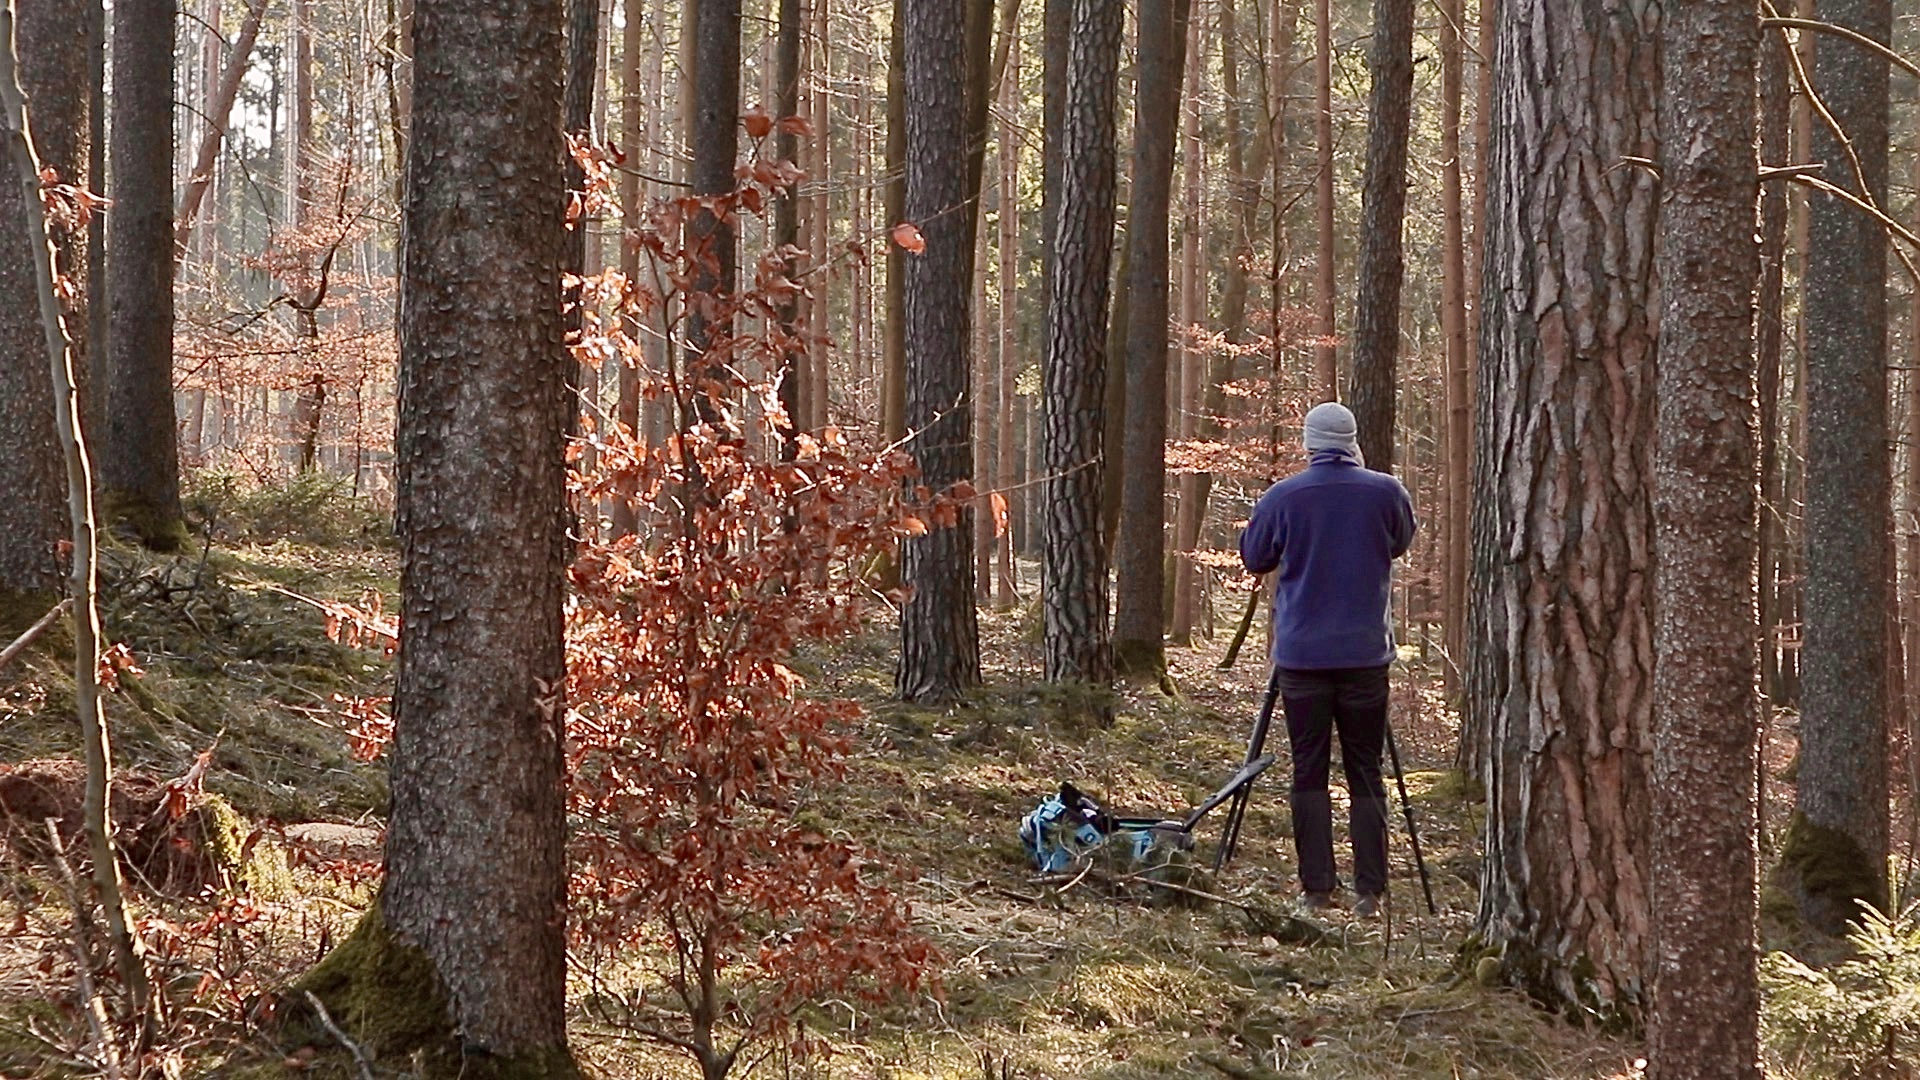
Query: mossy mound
[(386, 996), (1828, 875), (237, 657), (174, 843)]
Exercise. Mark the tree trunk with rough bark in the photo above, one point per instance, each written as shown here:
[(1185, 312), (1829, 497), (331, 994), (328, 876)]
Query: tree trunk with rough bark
[(939, 629), (140, 468), (637, 135), (476, 870), (1139, 625), (1376, 310), (786, 228), (1076, 636), (1704, 1020), (713, 136), (1009, 251), (1325, 368), (220, 106), (893, 341), (1836, 845), (1560, 656), (1457, 452), (1188, 364), (33, 513)]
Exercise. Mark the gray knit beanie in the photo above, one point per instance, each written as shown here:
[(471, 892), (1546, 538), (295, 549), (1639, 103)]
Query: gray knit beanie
[(1330, 426)]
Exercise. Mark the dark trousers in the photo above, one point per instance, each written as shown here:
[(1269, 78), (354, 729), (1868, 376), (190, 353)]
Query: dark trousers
[(1353, 703)]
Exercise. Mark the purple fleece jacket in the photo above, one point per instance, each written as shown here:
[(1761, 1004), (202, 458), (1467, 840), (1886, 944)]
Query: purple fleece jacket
[(1333, 530)]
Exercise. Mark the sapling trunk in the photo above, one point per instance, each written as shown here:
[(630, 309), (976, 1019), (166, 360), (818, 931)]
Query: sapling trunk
[(86, 622)]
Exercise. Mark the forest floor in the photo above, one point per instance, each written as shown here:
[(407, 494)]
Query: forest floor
[(1038, 980)]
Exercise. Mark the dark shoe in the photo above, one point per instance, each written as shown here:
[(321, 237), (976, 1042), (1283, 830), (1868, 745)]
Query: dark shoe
[(1367, 906), (1315, 901)]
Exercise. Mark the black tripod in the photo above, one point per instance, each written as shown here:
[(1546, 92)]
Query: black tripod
[(1236, 813)]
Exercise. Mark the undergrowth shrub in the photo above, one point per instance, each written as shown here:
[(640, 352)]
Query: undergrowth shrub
[(312, 507), (1857, 1020), (692, 737)]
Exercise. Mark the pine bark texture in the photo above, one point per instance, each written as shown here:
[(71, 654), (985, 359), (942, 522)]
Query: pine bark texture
[(939, 629), (33, 515), (1836, 848), (1376, 310), (1705, 1016), (1077, 648), (1139, 557), (1561, 653), (140, 465), (476, 872)]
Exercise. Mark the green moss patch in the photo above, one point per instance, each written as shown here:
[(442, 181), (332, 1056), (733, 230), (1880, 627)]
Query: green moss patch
[(1829, 874)]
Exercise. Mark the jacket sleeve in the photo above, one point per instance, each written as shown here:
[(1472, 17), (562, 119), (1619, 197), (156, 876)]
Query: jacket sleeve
[(1265, 538), (1402, 525)]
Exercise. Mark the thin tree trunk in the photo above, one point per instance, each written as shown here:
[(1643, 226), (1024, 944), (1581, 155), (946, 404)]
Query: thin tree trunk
[(1188, 511), (582, 75), (1456, 451), (1326, 372), (638, 134), (1076, 636), (1139, 642), (893, 345), (1705, 1015), (820, 173), (786, 229), (1009, 250), (31, 227), (220, 105), (1769, 329), (1473, 754), (1376, 312)]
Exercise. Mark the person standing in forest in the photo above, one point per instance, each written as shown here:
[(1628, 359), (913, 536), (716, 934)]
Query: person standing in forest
[(1333, 531)]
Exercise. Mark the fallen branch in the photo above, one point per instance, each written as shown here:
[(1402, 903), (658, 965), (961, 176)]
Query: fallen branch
[(360, 1058), (20, 643)]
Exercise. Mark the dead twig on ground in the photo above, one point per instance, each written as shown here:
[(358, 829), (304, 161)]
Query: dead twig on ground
[(25, 639), (360, 1059)]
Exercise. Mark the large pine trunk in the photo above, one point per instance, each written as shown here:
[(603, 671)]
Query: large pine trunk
[(1704, 1020), (476, 871), (140, 463), (1075, 377), (1560, 659), (939, 629), (33, 515), (1138, 637), (1376, 310), (1836, 847)]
